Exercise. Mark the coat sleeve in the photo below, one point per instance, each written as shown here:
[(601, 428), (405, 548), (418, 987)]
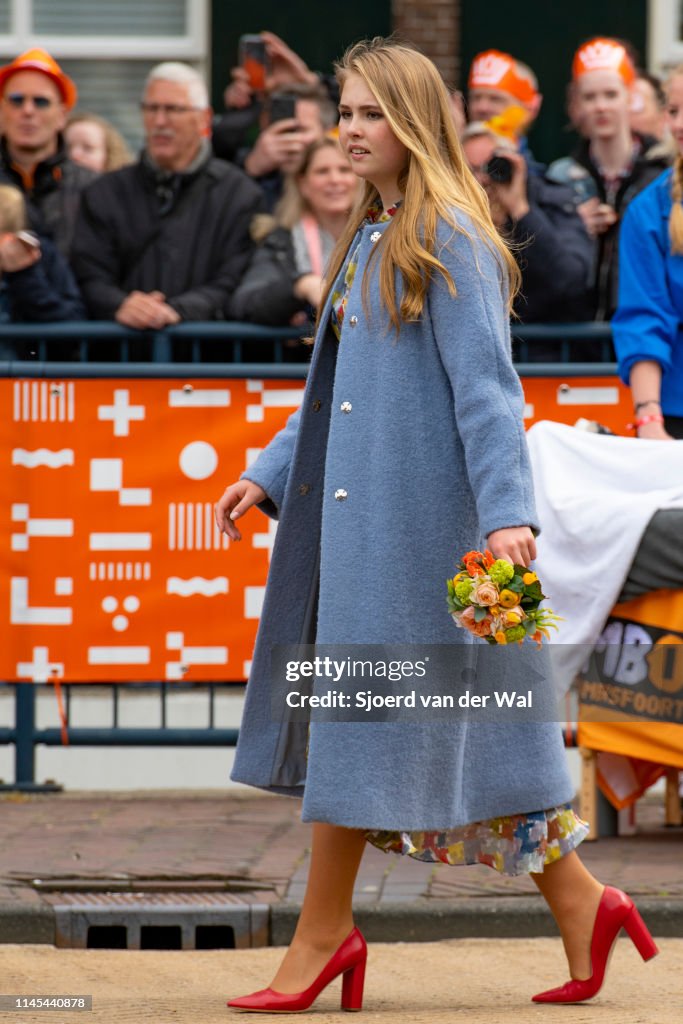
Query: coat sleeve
[(645, 324), (45, 292), (234, 247), (94, 254), (271, 469), (473, 337)]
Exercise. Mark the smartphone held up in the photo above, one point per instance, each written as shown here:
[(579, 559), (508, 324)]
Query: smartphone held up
[(253, 57)]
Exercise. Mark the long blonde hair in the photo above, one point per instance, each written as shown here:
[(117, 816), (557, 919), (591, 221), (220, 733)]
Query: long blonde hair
[(676, 215), (435, 183)]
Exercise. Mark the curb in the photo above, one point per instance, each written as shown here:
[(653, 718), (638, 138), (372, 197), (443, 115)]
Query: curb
[(489, 917), (418, 921)]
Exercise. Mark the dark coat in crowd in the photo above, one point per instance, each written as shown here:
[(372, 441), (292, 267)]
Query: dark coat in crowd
[(186, 235), (555, 255), (583, 175), (266, 293), (52, 194), (43, 293)]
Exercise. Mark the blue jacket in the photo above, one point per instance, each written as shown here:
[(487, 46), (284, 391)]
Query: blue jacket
[(406, 452), (648, 321), (43, 293)]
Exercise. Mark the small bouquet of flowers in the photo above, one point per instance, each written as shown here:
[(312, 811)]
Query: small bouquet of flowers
[(498, 601)]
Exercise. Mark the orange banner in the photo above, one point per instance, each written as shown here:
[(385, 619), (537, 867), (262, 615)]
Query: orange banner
[(112, 569)]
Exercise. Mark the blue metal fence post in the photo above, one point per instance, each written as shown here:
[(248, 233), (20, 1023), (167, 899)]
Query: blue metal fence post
[(24, 723)]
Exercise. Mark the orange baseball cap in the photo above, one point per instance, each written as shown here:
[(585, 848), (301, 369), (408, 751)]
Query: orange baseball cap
[(40, 60), (493, 69), (602, 54)]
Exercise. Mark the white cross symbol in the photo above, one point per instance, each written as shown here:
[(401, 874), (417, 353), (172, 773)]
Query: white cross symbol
[(121, 412), (40, 670)]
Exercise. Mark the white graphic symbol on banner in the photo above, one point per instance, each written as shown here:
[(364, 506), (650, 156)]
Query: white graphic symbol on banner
[(120, 541), (41, 669), (265, 540), (198, 398), (120, 570), (131, 604), (107, 475), (191, 656), (253, 602), (39, 402), (119, 655), (198, 460), (42, 457), (197, 585), (37, 527), (121, 412), (275, 398), (192, 527), (22, 615)]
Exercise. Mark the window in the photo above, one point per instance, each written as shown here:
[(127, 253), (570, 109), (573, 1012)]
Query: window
[(108, 46), (665, 33)]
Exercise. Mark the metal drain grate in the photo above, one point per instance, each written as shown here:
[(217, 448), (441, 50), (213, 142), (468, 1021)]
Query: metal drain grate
[(178, 920)]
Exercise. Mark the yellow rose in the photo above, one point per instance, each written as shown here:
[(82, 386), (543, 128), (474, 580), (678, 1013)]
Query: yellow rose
[(528, 578), (500, 637), (508, 599)]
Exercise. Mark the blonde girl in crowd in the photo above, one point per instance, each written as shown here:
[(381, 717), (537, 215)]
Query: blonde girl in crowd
[(408, 450)]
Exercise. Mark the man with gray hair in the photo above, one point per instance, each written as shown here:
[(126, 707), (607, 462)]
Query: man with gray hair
[(166, 239)]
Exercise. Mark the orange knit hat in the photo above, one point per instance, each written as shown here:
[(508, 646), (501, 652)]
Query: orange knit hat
[(40, 60), (601, 54), (493, 69)]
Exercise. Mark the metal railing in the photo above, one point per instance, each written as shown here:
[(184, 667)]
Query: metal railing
[(211, 350)]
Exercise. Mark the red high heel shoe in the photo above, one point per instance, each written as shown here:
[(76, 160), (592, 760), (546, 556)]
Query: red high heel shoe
[(616, 910), (349, 960)]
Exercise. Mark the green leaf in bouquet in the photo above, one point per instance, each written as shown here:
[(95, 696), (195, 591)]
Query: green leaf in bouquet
[(530, 626), (480, 613), (534, 591)]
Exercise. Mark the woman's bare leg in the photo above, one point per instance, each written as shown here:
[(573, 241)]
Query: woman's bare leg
[(326, 915), (573, 895)]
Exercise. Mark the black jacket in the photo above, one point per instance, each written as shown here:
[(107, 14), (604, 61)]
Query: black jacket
[(189, 239), (582, 174), (43, 293), (555, 255), (53, 194), (265, 294)]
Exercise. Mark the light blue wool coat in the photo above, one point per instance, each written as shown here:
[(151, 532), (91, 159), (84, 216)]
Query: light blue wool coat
[(432, 457)]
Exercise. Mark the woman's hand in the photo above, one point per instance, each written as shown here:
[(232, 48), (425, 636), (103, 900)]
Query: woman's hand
[(516, 544), (236, 499)]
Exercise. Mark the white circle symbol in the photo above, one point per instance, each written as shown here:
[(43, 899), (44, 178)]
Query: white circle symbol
[(110, 604), (198, 460), (119, 622), (131, 604)]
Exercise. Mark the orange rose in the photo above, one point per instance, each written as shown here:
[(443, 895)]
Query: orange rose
[(482, 628)]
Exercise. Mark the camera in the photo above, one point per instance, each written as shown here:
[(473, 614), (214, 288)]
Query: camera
[(499, 169)]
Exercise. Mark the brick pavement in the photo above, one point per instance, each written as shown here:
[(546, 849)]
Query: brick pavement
[(255, 839)]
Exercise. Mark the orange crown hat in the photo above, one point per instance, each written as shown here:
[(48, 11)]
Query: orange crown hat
[(40, 60), (493, 69), (601, 54)]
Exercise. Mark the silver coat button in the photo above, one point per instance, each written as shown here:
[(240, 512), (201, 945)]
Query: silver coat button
[(375, 236), (346, 407), (353, 320), (340, 495)]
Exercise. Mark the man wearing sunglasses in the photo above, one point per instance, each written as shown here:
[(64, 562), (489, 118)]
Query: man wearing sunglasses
[(167, 238), (35, 97)]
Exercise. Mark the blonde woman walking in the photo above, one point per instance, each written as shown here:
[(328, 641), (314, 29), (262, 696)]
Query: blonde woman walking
[(407, 451)]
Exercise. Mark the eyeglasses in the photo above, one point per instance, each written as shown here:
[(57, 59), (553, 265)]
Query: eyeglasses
[(18, 99), (168, 109)]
